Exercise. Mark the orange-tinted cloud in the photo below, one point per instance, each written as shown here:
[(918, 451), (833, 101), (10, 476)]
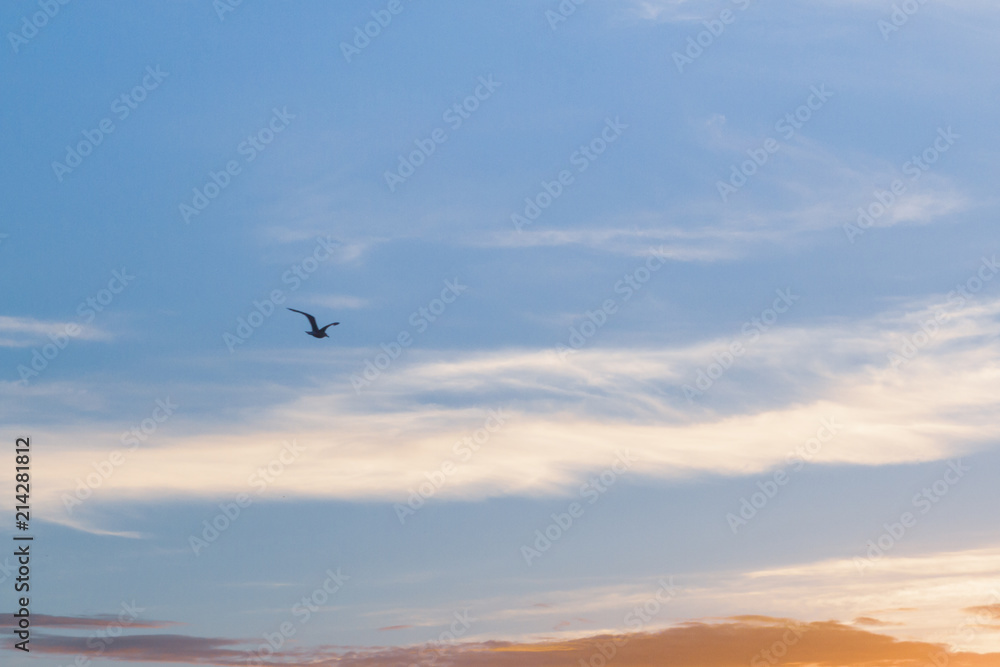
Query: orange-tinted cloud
[(755, 641), (868, 620), (991, 610)]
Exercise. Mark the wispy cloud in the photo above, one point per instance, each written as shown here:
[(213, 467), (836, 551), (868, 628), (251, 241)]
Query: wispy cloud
[(668, 11), (566, 418), (702, 245), (28, 331), (924, 597), (81, 622), (729, 643), (873, 622), (992, 610), (183, 649), (798, 199), (337, 301)]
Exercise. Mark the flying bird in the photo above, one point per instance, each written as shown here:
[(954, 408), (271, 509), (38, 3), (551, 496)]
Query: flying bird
[(316, 331)]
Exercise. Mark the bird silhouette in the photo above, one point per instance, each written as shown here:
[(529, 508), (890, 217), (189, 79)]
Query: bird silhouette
[(316, 331)]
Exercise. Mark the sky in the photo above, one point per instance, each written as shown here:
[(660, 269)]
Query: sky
[(668, 332)]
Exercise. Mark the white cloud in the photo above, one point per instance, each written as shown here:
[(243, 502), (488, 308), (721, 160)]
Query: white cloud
[(926, 595), (921, 598), (803, 191), (566, 419), (337, 301), (28, 331), (672, 10), (703, 245)]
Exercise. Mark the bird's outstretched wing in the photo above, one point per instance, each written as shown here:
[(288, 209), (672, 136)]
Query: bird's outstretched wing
[(312, 320), (331, 324)]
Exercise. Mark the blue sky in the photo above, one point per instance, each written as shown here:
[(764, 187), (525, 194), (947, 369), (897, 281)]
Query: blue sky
[(700, 369)]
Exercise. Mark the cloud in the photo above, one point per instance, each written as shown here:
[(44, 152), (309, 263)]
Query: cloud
[(80, 622), (989, 610), (702, 245), (564, 419), (182, 649), (819, 186), (28, 331), (85, 526), (867, 620), (732, 643), (337, 301), (670, 11), (803, 194), (925, 597), (675, 11)]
